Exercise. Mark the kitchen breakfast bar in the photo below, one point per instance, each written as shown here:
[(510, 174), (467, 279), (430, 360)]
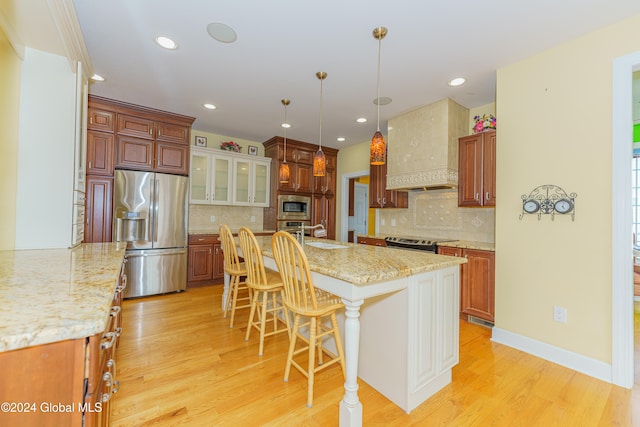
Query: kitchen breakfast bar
[(401, 321)]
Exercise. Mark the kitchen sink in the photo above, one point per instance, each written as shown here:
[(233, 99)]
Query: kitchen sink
[(325, 245)]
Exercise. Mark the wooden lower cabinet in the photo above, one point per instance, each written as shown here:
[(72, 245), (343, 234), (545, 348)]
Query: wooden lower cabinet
[(371, 241), (98, 209), (205, 260), (65, 383), (477, 282)]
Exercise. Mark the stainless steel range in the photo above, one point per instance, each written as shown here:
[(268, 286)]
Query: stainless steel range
[(420, 244)]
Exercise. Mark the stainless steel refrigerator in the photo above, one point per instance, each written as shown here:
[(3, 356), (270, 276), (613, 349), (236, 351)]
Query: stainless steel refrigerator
[(150, 212)]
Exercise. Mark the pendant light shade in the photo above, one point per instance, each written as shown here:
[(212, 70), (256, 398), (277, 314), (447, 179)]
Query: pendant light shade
[(319, 160), (283, 173), (378, 148)]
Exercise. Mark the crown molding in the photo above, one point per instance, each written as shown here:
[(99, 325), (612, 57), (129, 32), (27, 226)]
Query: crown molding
[(64, 16)]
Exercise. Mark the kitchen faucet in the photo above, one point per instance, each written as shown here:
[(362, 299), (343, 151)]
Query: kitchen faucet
[(318, 233)]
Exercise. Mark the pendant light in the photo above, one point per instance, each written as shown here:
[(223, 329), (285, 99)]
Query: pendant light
[(319, 161), (283, 174), (378, 148)]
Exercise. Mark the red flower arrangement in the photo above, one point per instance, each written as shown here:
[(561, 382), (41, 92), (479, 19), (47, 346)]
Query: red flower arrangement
[(486, 122), (230, 146)]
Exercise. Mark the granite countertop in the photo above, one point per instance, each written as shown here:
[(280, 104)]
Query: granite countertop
[(51, 295), (464, 244), (364, 264), (467, 244), (211, 230)]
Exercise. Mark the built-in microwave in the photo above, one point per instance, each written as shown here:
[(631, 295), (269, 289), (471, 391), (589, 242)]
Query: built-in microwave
[(294, 207)]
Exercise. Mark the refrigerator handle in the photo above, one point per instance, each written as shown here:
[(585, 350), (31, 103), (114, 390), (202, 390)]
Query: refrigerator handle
[(156, 189)]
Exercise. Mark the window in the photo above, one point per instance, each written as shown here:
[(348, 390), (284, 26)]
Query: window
[(635, 196)]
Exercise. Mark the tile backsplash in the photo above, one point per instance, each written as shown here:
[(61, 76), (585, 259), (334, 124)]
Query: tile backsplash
[(435, 214), (234, 216)]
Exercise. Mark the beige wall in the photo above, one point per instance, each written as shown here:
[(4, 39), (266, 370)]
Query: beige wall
[(350, 159), (554, 127), (9, 107)]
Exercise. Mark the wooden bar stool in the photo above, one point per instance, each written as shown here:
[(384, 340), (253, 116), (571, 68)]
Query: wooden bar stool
[(267, 291), (236, 271), (304, 300)]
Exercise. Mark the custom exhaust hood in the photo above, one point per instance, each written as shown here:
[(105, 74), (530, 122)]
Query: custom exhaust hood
[(423, 146)]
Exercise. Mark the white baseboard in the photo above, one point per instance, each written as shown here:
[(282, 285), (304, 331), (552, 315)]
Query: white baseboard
[(569, 359)]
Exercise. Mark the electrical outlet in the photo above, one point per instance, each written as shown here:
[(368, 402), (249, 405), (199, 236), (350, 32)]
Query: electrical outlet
[(393, 222), (213, 218), (253, 218), (560, 314)]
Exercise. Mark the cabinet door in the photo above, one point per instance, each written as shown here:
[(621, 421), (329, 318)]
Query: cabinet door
[(199, 178), (172, 158), (325, 184), (241, 179), (218, 261), (134, 153), (221, 179), (200, 264), (323, 211), (302, 156), (470, 170), (101, 120), (375, 194), (98, 209), (303, 178), (169, 132), (260, 181), (478, 287), (135, 126), (446, 250), (489, 168), (100, 148)]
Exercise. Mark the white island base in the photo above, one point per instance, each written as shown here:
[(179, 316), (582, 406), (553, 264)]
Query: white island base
[(409, 339)]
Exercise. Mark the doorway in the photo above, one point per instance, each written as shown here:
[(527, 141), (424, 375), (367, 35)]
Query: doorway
[(346, 220), (622, 358)]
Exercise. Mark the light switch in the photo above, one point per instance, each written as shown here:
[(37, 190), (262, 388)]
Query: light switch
[(213, 218)]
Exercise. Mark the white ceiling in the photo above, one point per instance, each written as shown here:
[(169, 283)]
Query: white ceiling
[(282, 44)]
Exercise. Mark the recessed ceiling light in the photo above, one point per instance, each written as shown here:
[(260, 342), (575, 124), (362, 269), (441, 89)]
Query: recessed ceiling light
[(222, 32), (286, 125), (361, 120), (383, 100), (97, 78), (457, 81), (166, 42), (209, 106), (341, 139)]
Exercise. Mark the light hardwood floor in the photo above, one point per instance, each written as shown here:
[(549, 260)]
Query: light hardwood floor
[(180, 364)]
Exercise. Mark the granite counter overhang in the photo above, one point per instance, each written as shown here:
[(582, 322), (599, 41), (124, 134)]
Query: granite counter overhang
[(52, 295), (363, 264)]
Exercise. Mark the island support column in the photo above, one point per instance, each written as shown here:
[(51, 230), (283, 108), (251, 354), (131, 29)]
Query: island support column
[(350, 406), (225, 291)]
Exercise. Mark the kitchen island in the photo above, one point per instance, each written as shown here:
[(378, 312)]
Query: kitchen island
[(400, 325)]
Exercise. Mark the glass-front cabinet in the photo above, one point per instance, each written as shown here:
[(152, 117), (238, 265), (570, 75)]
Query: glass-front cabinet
[(210, 177), (251, 182), (224, 178)]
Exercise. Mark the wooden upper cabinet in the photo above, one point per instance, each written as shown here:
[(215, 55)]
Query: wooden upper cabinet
[(477, 170), (379, 196), (170, 132), (101, 120), (134, 153), (171, 158), (100, 146), (135, 126)]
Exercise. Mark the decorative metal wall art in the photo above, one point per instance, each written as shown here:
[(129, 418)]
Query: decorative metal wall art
[(548, 200)]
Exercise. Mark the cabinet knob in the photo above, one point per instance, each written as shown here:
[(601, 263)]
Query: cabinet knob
[(486, 196), (209, 251), (477, 196)]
